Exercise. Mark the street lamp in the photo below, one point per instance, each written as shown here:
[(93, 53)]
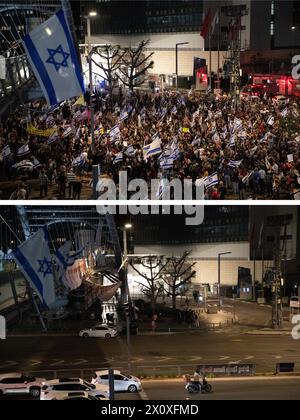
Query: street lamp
[(219, 276), (177, 45), (89, 59), (124, 229)]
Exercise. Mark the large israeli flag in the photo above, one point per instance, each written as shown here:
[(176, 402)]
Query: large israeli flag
[(34, 260), (53, 58)]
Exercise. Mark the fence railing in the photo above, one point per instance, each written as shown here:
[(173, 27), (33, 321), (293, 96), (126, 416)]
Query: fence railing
[(144, 371)]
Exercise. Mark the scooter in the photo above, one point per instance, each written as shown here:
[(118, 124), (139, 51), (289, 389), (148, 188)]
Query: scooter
[(196, 387)]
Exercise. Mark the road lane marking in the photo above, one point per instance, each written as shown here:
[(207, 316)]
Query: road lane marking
[(162, 359), (144, 395)]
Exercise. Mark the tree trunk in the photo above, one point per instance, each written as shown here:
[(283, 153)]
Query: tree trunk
[(174, 297)]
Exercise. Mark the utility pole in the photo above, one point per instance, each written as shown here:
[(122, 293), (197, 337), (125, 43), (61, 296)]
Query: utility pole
[(176, 60), (219, 277), (277, 223), (235, 30)]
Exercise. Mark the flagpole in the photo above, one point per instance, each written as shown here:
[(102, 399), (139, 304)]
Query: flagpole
[(219, 40), (210, 56)]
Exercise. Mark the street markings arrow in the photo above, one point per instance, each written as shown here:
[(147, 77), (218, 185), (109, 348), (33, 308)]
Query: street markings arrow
[(248, 357), (138, 359), (224, 357), (195, 358), (9, 363), (35, 362), (58, 362), (80, 362), (162, 359)]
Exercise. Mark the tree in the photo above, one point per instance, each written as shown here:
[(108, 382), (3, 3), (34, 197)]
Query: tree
[(177, 272), (153, 288), (111, 59), (135, 63)]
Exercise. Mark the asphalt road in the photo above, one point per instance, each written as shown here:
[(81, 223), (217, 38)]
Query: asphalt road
[(148, 352), (232, 389), (249, 389)]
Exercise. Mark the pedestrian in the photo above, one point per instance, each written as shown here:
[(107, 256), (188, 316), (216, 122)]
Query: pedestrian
[(43, 180)]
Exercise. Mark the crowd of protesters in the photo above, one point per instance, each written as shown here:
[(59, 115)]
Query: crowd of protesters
[(246, 152)]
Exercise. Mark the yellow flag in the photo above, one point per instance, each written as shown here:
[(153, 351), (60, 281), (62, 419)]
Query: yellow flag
[(31, 129)]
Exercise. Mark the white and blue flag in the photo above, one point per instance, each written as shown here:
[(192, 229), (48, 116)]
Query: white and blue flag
[(152, 149), (130, 151), (123, 115), (52, 139), (23, 150), (79, 161), (34, 260), (167, 163), (53, 58), (235, 163), (64, 260), (5, 152), (118, 158), (35, 163), (115, 132), (211, 180)]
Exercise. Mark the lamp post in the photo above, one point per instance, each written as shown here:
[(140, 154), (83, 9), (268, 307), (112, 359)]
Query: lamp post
[(89, 58), (127, 227), (219, 277), (176, 59)]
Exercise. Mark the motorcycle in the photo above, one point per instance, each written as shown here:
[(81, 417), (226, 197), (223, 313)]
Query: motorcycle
[(196, 387)]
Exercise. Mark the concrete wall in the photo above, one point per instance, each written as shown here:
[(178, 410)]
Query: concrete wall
[(163, 46), (206, 258), (239, 250)]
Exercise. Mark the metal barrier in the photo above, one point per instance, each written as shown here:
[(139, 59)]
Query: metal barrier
[(152, 371), (228, 370)]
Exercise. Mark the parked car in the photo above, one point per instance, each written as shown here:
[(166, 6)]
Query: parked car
[(17, 383), (100, 331), (78, 395), (122, 381), (62, 387)]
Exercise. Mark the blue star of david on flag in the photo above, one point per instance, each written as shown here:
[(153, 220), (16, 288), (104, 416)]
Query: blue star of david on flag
[(45, 267), (53, 60)]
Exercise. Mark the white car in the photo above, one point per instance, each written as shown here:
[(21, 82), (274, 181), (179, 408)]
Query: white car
[(62, 387), (122, 381), (17, 383), (79, 395), (99, 331)]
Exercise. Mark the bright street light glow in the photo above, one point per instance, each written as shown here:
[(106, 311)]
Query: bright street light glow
[(128, 226), (93, 14)]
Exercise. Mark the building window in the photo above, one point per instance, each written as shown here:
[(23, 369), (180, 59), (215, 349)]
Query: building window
[(272, 28)]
